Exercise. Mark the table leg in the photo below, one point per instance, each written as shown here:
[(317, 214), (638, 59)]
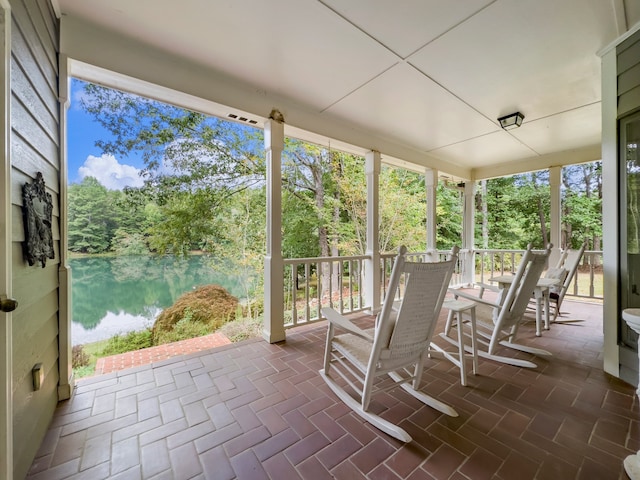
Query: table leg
[(474, 346), (461, 352), (545, 295), (539, 307)]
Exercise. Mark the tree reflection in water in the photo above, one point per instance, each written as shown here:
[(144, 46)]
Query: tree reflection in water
[(127, 293)]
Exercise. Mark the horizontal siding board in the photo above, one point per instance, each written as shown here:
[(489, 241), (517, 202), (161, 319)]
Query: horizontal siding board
[(628, 57), (20, 258), (33, 325), (29, 50), (38, 26), (29, 162), (44, 83), (33, 102), (628, 42), (20, 262), (28, 279), (629, 101), (629, 79), (28, 128), (50, 21)]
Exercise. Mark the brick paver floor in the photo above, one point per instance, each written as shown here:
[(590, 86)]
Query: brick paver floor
[(161, 352), (258, 411)]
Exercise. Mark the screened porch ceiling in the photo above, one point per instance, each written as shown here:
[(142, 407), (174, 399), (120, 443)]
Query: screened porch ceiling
[(421, 81)]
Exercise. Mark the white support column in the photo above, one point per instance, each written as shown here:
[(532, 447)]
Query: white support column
[(372, 265), (431, 185), (65, 317), (555, 181), (468, 233), (273, 265), (610, 214)]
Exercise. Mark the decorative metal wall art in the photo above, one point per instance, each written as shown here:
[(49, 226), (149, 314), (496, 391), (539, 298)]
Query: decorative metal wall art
[(36, 211)]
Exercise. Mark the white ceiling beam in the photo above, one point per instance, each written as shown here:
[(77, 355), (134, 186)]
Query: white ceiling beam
[(558, 159)]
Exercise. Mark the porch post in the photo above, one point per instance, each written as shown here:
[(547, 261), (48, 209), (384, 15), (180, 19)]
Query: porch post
[(555, 177), (65, 370), (468, 234), (273, 265), (372, 264), (431, 185)]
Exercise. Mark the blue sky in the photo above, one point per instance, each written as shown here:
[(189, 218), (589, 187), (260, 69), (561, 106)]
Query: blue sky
[(85, 159)]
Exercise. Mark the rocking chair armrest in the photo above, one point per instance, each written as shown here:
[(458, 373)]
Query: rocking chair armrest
[(336, 319), (474, 298)]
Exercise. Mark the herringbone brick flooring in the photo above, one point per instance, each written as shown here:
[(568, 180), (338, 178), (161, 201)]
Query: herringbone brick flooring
[(259, 411)]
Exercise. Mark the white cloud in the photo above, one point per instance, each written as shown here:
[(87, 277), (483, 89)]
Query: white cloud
[(111, 173)]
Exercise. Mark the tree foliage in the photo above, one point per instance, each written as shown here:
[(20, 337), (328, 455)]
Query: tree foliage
[(194, 163)]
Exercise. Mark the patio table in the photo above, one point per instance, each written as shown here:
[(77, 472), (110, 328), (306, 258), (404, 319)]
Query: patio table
[(541, 294)]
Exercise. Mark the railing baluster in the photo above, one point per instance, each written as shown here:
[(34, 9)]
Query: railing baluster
[(294, 282)]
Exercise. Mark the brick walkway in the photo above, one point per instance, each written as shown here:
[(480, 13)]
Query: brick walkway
[(161, 352)]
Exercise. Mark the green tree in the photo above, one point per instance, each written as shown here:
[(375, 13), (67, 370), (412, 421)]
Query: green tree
[(91, 222), (194, 163), (582, 205)]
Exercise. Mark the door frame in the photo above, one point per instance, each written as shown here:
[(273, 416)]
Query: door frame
[(6, 336)]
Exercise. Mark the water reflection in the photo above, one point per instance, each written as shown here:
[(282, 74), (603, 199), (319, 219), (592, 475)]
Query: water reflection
[(121, 294)]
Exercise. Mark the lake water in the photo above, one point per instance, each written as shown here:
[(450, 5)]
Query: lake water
[(113, 295)]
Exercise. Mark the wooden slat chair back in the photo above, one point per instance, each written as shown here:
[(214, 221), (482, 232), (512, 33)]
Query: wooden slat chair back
[(569, 264), (516, 301), (499, 320), (398, 345)]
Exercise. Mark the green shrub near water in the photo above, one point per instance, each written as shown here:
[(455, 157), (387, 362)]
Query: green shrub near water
[(128, 342), (185, 328)]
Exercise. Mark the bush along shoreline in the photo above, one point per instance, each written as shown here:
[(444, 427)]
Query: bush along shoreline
[(205, 310)]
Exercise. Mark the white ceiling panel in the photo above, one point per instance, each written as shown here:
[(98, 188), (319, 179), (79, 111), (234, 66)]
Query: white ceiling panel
[(495, 148), (407, 25), (405, 105), (564, 131), (536, 57), (291, 48)]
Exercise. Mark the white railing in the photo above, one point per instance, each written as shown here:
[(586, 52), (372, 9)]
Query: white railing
[(305, 293), (587, 282), (344, 286)]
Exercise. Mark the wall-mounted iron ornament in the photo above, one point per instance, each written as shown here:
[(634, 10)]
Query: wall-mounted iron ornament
[(37, 209)]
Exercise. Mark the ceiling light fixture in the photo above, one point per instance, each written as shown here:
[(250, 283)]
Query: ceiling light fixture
[(513, 120)]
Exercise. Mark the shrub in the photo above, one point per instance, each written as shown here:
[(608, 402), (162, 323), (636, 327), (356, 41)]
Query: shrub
[(78, 357), (210, 306), (243, 329), (128, 342), (183, 330)]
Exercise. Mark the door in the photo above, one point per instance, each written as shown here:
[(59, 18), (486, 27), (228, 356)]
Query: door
[(629, 159), (6, 416)]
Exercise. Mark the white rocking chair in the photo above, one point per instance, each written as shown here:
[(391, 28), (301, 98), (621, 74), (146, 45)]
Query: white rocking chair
[(497, 322), (398, 345), (566, 270)]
